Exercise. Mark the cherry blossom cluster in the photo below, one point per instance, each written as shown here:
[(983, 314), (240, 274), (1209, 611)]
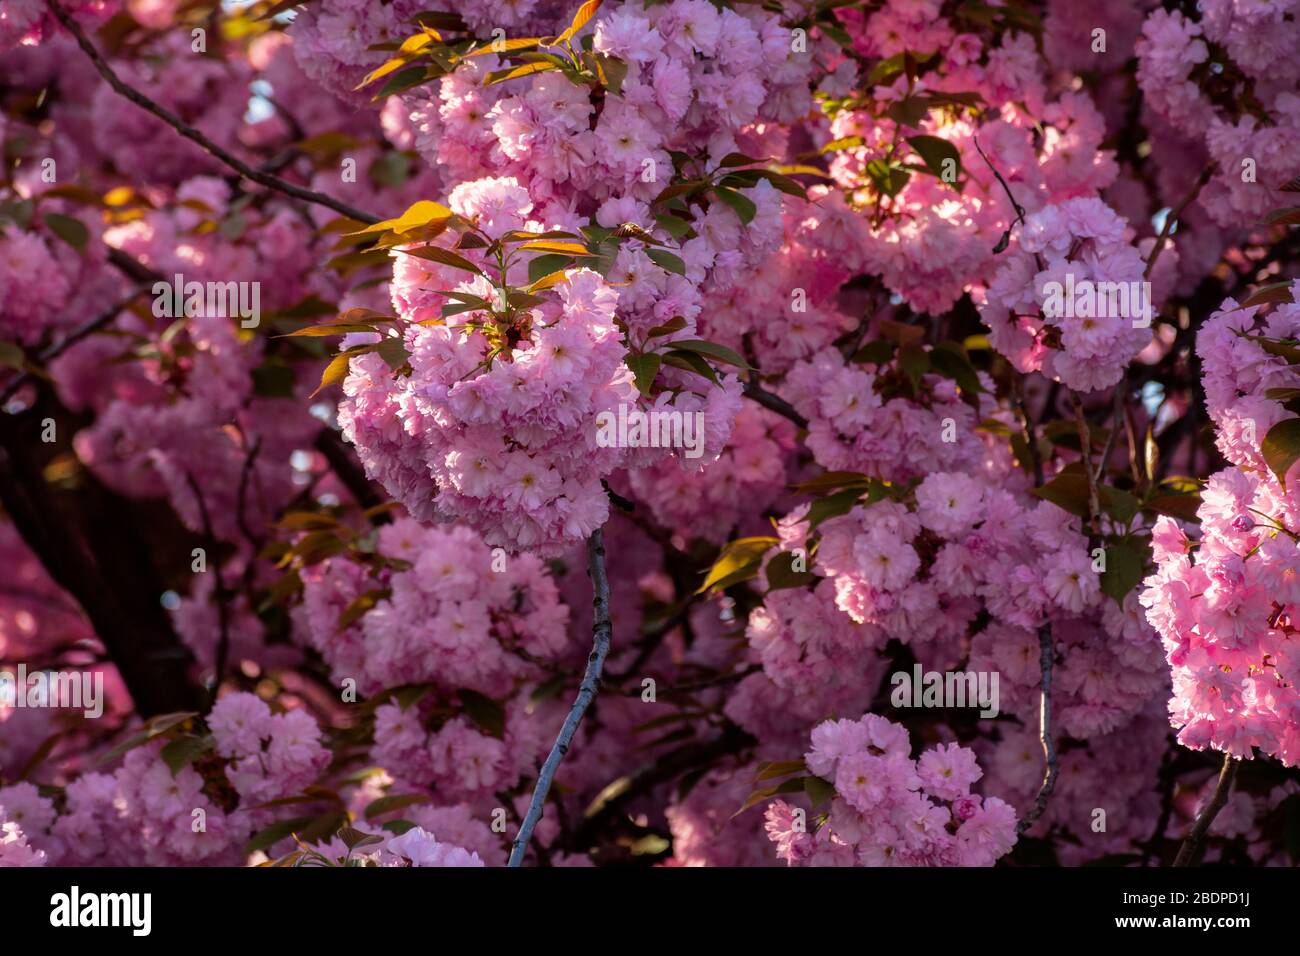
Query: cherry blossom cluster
[(1038, 319), (890, 809), (1224, 603)]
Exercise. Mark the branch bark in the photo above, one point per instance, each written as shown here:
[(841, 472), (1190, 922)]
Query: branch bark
[(1046, 655), (602, 634), (89, 542), (214, 150), (1189, 854), (773, 402)]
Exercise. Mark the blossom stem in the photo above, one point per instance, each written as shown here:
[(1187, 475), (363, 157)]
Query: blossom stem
[(189, 132), (602, 634), (1190, 852)]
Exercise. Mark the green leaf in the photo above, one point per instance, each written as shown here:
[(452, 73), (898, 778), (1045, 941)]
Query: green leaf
[(183, 751), (1176, 506), (644, 368), (713, 350), (1124, 569), (405, 80), (934, 151), (1281, 447), (667, 261), (1068, 490), (1284, 217), (514, 73), (846, 142), (444, 257), (1274, 293), (818, 790), (885, 70), (675, 226), (794, 785), (675, 324), (950, 360), (738, 561), (890, 180), (781, 573), (744, 206), (68, 228), (12, 356), (485, 712), (580, 20), (831, 480), (690, 362), (878, 352), (154, 727), (915, 361), (832, 506), (543, 266), (779, 768), (548, 689), (359, 605), (909, 111), (269, 836), (396, 801), (353, 838)]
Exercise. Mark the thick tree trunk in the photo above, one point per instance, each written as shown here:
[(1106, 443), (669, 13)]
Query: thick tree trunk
[(89, 540)]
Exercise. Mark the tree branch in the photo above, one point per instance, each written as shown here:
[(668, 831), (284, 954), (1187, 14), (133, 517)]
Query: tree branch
[(1046, 655), (773, 402), (189, 132), (1189, 853), (76, 335), (602, 633), (1174, 216)]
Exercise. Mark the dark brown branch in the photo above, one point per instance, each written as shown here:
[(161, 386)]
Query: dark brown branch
[(76, 335), (772, 402), (1189, 853), (602, 632), (266, 179), (219, 592), (1174, 216), (89, 542), (1046, 656), (329, 444)]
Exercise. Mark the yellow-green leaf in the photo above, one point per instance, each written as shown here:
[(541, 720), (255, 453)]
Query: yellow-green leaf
[(739, 557)]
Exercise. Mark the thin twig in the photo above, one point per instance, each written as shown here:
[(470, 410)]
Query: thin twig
[(1117, 411), (189, 132), (1174, 216), (1046, 658), (88, 328), (1190, 852), (1020, 210), (221, 594), (1085, 448), (602, 633), (1046, 655)]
